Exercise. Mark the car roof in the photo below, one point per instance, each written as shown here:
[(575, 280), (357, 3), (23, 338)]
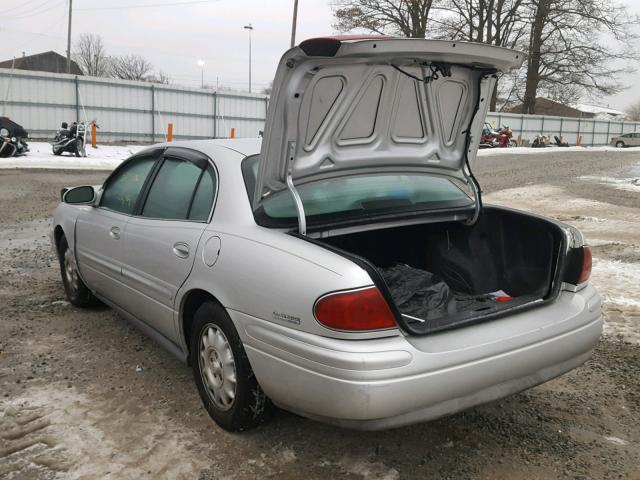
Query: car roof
[(220, 150)]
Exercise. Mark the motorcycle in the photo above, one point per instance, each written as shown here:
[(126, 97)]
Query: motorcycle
[(12, 138), (541, 141), (70, 140), (502, 138), (488, 136)]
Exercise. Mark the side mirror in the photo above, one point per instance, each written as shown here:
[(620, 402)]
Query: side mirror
[(84, 195)]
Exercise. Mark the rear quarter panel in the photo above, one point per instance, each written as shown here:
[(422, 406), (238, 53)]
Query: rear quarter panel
[(263, 273)]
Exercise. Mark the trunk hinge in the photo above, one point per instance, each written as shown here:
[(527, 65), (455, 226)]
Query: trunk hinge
[(485, 86), (302, 219)]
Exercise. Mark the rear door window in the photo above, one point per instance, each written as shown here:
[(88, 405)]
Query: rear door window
[(181, 190)]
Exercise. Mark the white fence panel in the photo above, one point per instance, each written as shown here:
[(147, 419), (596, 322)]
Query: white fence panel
[(593, 131), (126, 110)]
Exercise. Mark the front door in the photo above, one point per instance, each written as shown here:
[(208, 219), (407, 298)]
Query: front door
[(162, 240), (101, 230)]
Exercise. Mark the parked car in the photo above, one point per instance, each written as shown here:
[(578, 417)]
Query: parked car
[(626, 140), (344, 267)]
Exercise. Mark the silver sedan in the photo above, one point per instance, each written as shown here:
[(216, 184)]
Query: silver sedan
[(344, 268)]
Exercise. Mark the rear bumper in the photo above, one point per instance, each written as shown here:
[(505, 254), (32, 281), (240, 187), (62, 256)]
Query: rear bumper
[(385, 383)]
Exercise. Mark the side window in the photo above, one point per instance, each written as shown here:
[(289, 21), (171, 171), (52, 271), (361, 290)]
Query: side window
[(123, 189), (180, 191), (203, 199)]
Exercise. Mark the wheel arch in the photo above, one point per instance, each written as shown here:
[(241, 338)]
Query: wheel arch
[(58, 233), (191, 301)]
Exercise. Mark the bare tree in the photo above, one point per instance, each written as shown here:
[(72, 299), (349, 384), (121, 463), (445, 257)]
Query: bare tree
[(633, 112), (407, 18), (90, 55), (566, 47), (495, 22), (130, 67), (159, 77)]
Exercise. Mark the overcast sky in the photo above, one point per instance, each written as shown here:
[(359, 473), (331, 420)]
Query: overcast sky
[(174, 38)]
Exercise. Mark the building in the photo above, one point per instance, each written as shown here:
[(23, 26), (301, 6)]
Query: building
[(43, 62), (545, 106)]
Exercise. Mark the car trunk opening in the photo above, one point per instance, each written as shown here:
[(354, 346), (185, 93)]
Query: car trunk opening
[(444, 275)]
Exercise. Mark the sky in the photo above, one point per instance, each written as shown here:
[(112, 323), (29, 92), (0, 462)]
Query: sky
[(175, 37)]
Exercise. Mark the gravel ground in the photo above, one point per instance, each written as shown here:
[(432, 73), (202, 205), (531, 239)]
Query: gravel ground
[(73, 406)]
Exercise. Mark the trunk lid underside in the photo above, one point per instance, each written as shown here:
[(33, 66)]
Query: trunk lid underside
[(346, 108)]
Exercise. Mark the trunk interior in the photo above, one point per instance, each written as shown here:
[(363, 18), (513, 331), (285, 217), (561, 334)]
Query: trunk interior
[(445, 275)]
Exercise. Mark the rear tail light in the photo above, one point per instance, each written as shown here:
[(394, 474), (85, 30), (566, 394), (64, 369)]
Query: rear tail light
[(355, 310), (587, 260), (578, 268)]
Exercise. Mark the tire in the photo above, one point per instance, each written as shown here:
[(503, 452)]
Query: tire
[(220, 366), (77, 292), (512, 143), (57, 151), (79, 149), (619, 144)]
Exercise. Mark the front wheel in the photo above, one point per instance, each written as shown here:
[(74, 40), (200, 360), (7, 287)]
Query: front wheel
[(79, 150), (226, 383), (57, 151), (77, 292), (619, 144)]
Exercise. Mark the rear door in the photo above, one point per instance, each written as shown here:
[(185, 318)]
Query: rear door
[(635, 140), (101, 231), (162, 239)]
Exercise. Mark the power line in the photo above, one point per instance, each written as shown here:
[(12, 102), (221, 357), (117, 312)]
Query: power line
[(149, 5), (35, 11), (19, 7)]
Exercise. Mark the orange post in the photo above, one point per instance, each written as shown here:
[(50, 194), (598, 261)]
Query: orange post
[(170, 132), (580, 141), (233, 133), (94, 135)]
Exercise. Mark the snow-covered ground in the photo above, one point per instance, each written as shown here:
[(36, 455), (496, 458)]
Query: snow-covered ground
[(107, 157)]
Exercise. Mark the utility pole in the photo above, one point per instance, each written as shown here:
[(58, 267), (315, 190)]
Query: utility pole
[(69, 38), (294, 22), (250, 28)]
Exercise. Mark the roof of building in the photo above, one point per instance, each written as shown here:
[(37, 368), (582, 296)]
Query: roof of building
[(42, 62), (586, 108)]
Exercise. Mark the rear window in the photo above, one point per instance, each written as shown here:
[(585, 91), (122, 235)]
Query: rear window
[(363, 195)]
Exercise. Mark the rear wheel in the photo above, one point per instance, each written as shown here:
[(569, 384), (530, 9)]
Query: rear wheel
[(77, 292), (228, 388), (619, 144)]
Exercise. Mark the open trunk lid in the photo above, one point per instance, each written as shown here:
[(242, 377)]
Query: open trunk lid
[(349, 106)]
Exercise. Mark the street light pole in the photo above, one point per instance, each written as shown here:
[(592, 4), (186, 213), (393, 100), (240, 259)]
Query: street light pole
[(250, 28), (294, 23)]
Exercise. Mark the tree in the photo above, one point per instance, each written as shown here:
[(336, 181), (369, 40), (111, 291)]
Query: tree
[(567, 49), (633, 112), (495, 22), (130, 67), (90, 55), (407, 18), (159, 77)]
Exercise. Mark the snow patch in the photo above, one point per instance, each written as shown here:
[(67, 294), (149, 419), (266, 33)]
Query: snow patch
[(105, 157), (629, 184), (84, 433), (368, 470)]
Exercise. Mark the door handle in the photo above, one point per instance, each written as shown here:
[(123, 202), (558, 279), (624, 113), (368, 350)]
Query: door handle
[(181, 249), (114, 232)]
